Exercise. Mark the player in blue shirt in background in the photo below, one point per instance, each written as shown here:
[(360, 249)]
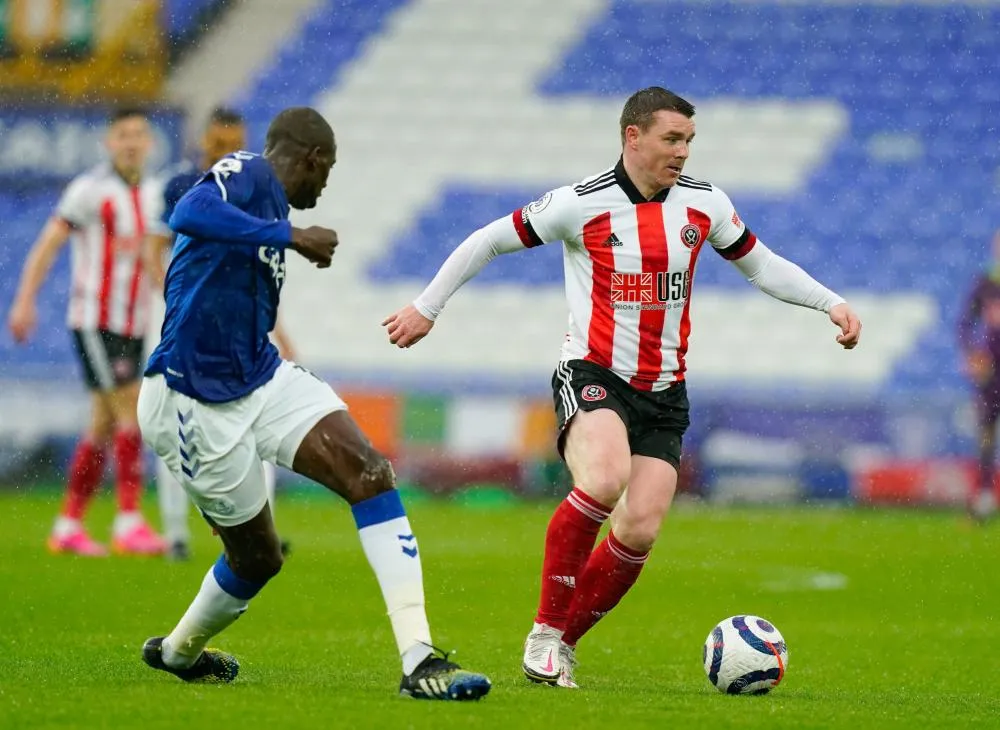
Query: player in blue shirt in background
[(224, 134), (217, 399)]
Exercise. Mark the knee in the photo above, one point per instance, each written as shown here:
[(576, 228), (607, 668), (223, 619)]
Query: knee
[(606, 483), (639, 534), (376, 476), (259, 566)]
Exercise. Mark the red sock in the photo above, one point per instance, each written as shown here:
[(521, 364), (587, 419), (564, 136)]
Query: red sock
[(128, 455), (610, 572), (86, 470), (570, 538)]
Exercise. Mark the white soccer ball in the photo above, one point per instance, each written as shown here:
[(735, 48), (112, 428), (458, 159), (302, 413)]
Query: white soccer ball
[(745, 655)]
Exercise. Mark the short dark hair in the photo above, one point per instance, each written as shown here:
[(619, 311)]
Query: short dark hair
[(643, 104), (125, 112), (302, 126), (225, 116)]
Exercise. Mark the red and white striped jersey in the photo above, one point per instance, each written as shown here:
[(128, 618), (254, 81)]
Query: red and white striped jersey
[(109, 219), (629, 265)]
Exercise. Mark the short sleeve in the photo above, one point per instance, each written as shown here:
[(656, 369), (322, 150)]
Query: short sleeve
[(553, 217), (154, 209), (728, 234), (76, 206)]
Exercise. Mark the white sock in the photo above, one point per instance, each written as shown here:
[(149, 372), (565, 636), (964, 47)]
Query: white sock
[(65, 526), (269, 482), (391, 550), (211, 611), (125, 522), (173, 505)]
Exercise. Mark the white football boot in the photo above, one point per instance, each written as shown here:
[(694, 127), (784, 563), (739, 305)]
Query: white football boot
[(567, 665), (541, 654)]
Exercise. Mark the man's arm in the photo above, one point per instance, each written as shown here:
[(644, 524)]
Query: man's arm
[(154, 251), (36, 269), (203, 213), (551, 218), (781, 279)]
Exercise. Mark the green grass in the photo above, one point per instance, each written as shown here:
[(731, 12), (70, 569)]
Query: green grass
[(889, 617)]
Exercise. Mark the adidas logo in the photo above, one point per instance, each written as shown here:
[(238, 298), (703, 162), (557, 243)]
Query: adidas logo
[(613, 240), (566, 580)]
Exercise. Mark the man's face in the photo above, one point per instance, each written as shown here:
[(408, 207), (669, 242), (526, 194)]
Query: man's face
[(315, 169), (663, 148), (129, 142), (221, 140)]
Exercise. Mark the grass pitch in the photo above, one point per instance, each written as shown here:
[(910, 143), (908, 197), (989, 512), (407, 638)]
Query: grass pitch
[(890, 619)]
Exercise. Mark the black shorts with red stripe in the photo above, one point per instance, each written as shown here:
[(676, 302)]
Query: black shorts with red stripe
[(109, 360), (654, 420)]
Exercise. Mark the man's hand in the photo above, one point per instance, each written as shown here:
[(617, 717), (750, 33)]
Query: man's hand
[(407, 326), (315, 243), (22, 319), (979, 366), (850, 326)]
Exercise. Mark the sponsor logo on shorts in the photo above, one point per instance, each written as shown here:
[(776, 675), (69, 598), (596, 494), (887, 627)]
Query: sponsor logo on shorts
[(593, 393)]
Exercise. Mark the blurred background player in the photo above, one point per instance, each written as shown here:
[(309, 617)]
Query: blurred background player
[(979, 336), (105, 212), (224, 134)]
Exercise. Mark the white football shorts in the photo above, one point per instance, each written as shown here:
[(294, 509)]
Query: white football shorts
[(215, 450)]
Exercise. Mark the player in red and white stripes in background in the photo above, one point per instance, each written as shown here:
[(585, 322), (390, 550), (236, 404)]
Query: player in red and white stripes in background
[(631, 238), (105, 212)]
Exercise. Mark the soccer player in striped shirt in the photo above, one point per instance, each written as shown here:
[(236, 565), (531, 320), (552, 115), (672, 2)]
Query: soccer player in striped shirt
[(105, 212), (631, 238), (224, 134)]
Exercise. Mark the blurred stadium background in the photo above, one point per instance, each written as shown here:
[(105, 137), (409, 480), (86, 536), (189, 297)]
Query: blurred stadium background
[(859, 139)]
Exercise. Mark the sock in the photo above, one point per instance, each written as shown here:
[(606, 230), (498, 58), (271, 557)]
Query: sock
[(568, 541), (65, 526), (125, 522), (223, 598), (86, 470), (986, 457), (173, 505), (391, 550), (269, 483), (128, 455), (611, 570)]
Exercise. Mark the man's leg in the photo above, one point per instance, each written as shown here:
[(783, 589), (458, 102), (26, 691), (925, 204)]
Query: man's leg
[(614, 566), (983, 503), (131, 532), (597, 453), (174, 507), (86, 471), (337, 455), (252, 557)]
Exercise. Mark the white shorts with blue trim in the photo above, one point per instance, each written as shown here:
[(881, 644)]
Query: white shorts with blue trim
[(216, 450)]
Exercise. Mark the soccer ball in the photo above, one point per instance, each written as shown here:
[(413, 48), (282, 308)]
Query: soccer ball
[(745, 655)]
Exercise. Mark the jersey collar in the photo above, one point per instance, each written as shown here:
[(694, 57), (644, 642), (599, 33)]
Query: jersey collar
[(626, 184)]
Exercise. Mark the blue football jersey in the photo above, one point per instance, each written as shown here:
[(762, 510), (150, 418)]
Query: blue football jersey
[(185, 176), (224, 281)]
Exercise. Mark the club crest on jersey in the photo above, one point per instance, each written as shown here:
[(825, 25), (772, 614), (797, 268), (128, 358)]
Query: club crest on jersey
[(539, 205), (593, 393), (690, 235)]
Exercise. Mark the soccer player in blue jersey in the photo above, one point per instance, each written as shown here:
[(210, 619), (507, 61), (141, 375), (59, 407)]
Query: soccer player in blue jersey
[(217, 400), (224, 134)]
